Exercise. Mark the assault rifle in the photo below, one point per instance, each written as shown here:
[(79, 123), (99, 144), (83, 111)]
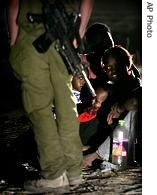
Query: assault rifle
[(62, 28)]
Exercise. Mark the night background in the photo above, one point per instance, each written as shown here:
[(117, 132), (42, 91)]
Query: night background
[(124, 17)]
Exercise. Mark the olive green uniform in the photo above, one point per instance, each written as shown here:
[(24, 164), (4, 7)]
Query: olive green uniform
[(45, 81)]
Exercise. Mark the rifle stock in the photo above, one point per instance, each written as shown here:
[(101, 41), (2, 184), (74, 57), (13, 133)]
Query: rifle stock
[(63, 28)]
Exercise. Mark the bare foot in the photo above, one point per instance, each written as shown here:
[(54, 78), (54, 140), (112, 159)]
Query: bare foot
[(84, 148), (88, 159)]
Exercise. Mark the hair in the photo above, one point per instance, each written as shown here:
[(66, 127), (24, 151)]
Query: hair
[(98, 37), (120, 54), (105, 87)]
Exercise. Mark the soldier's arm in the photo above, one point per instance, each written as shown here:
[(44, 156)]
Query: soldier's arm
[(86, 7), (12, 14)]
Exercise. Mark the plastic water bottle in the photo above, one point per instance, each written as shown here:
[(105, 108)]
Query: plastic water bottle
[(119, 151)]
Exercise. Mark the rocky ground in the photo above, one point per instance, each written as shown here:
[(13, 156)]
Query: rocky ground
[(16, 142), (126, 182)]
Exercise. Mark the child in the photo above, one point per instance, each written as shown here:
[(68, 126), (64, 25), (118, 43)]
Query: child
[(88, 116), (77, 84), (117, 65), (98, 38)]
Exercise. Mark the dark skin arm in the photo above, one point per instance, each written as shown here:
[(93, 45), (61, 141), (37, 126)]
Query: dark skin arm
[(116, 110)]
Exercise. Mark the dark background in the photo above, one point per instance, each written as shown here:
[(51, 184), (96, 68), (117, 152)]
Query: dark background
[(124, 17)]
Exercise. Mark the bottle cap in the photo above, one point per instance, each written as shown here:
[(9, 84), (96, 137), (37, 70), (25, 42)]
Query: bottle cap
[(121, 122)]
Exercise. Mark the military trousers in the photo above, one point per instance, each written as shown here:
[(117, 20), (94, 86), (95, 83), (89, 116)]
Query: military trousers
[(45, 82)]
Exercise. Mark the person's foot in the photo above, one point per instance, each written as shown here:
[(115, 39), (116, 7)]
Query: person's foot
[(108, 166), (88, 159), (60, 185), (84, 148), (75, 182)]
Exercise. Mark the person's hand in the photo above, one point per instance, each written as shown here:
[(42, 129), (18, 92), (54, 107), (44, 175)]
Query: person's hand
[(90, 74), (91, 110), (75, 43), (84, 59), (114, 113)]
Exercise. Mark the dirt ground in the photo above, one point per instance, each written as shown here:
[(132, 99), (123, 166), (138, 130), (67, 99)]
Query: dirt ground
[(14, 154)]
